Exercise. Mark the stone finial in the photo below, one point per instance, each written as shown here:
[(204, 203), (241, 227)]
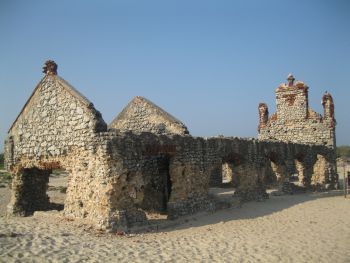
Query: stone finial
[(263, 115), (290, 79), (328, 107), (50, 68)]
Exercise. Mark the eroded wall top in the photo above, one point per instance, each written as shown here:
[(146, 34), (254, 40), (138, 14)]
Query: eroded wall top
[(294, 121)]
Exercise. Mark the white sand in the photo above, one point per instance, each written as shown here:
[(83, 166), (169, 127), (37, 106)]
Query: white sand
[(300, 228)]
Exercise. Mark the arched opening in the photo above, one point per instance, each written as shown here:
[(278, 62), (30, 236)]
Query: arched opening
[(225, 177), (227, 172), (277, 174), (272, 172), (230, 170)]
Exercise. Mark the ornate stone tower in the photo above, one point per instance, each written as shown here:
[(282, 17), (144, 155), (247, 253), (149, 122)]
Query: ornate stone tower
[(292, 100), (294, 121)]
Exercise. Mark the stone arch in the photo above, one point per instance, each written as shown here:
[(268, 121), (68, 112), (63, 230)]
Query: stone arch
[(271, 173), (300, 169), (278, 171), (231, 169)]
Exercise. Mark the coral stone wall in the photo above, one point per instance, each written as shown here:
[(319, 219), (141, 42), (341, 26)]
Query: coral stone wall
[(295, 122), (57, 128), (292, 102), (55, 120), (136, 162), (116, 176), (141, 115)]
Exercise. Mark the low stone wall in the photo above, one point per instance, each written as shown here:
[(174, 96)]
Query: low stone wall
[(123, 175)]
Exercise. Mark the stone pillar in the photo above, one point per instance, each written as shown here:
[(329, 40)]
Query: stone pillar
[(301, 172), (323, 175), (29, 188), (251, 186), (328, 106), (263, 115), (308, 170)]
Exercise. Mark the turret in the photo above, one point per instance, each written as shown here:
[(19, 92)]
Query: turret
[(328, 106), (292, 100), (263, 115)]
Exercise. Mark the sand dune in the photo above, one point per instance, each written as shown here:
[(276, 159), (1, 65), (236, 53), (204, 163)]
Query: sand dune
[(300, 228)]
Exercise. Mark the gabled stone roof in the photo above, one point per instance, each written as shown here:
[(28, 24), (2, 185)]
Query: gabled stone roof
[(68, 87), (142, 115)]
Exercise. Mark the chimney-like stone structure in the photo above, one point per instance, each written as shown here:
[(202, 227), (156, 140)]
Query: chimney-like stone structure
[(328, 106), (263, 115), (50, 68)]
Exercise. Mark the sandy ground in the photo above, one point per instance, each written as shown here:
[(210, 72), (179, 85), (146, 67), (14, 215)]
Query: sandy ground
[(310, 227)]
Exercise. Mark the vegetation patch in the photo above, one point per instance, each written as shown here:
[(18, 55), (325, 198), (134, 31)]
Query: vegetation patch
[(61, 189), (5, 177), (1, 161), (343, 151)]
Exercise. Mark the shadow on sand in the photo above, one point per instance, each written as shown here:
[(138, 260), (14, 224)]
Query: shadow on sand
[(248, 210)]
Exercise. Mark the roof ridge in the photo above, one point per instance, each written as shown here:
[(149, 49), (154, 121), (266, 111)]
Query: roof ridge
[(150, 103), (161, 109), (77, 94), (68, 87)]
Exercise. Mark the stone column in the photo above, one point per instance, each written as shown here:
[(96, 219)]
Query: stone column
[(301, 172), (251, 186)]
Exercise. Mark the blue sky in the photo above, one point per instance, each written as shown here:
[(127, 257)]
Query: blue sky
[(208, 63)]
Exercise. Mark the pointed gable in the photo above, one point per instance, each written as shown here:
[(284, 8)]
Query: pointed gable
[(142, 115), (55, 118)]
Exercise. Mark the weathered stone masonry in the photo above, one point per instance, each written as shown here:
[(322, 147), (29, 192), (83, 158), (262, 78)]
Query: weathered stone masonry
[(146, 164), (294, 121), (141, 115)]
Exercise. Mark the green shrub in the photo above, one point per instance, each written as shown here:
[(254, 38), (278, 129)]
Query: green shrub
[(5, 179), (1, 161), (343, 151)]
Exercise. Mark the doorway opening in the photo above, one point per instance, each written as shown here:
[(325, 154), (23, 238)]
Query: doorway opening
[(158, 185), (57, 188), (32, 190), (163, 164), (225, 178), (229, 174)]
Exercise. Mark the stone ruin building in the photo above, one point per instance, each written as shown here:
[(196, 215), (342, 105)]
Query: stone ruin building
[(146, 161), (294, 121)]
